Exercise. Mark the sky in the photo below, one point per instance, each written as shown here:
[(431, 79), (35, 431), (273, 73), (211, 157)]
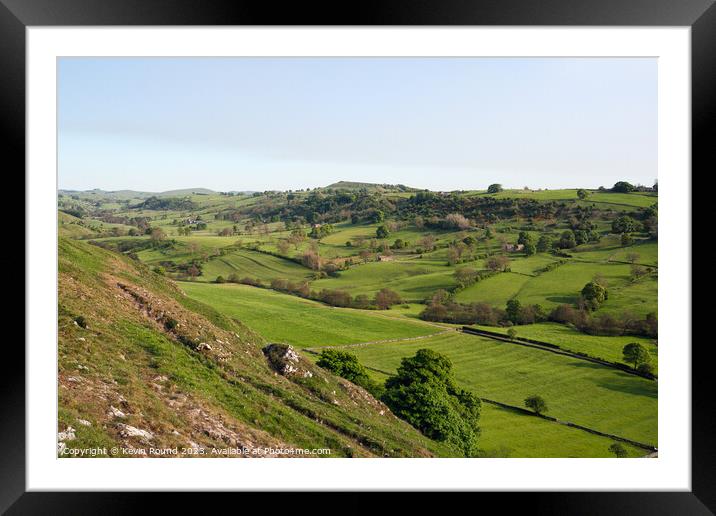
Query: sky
[(157, 124)]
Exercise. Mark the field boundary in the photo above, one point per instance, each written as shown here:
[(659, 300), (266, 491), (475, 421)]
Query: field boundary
[(553, 348), (553, 419), (570, 424), (313, 349)]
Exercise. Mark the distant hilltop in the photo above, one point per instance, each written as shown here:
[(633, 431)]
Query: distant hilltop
[(133, 194), (355, 185)]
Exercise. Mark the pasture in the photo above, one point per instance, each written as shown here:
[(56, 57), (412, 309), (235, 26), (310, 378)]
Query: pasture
[(607, 348), (582, 392), (301, 322)]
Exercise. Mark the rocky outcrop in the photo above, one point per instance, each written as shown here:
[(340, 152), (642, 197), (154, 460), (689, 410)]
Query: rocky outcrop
[(284, 359)]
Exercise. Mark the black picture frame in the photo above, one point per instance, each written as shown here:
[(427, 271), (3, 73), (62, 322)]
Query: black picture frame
[(700, 15)]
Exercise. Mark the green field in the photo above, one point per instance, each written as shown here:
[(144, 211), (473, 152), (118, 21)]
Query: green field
[(301, 322), (507, 433), (575, 390), (414, 280), (254, 265), (578, 391), (635, 199), (607, 348)]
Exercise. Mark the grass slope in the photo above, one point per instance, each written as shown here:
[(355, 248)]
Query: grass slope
[(301, 322), (595, 396), (222, 395)]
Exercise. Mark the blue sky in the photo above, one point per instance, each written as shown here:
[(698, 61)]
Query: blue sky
[(157, 124)]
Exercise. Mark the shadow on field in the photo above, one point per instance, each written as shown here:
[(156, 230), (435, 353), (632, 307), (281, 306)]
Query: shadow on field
[(622, 382), (564, 300)]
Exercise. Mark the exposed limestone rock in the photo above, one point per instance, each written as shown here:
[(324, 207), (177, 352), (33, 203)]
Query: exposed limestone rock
[(131, 431), (115, 412)]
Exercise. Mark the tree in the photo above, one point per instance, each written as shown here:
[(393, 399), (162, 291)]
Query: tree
[(455, 220), (544, 243), (582, 193), (625, 224), (466, 276), (536, 404), (423, 393), (524, 238), (385, 298), (494, 188), (365, 255), (637, 272), (594, 294), (618, 450), (568, 240), (157, 235), (499, 262), (646, 369), (632, 257), (636, 354), (623, 187), (382, 232), (626, 240), (427, 242), (312, 260), (513, 310), (530, 249), (512, 333), (283, 246)]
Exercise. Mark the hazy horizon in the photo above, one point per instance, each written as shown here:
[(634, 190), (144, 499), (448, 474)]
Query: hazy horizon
[(256, 124), (417, 187)]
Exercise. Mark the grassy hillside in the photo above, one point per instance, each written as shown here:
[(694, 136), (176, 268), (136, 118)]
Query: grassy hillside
[(589, 394), (136, 356), (301, 322)]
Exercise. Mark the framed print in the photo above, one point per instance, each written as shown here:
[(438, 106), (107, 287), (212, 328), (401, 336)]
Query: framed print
[(420, 244)]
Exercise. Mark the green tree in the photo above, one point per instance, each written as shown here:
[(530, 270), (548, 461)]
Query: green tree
[(524, 238), (567, 240), (636, 354), (623, 187), (530, 249), (646, 368), (382, 232), (536, 404), (423, 393), (512, 333), (465, 276), (594, 294), (494, 188), (625, 224), (582, 193), (513, 310), (544, 244), (618, 450)]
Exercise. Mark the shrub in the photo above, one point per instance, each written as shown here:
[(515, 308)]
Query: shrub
[(646, 369), (386, 298), (346, 366), (618, 450)]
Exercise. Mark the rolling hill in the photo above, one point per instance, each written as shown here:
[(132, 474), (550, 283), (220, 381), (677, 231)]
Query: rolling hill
[(141, 365)]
